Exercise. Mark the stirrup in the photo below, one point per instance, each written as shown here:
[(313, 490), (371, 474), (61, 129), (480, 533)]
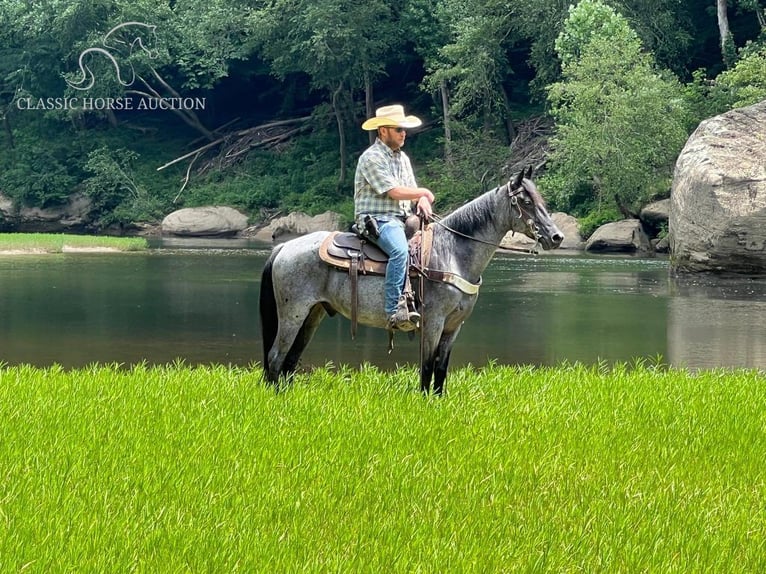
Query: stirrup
[(403, 319)]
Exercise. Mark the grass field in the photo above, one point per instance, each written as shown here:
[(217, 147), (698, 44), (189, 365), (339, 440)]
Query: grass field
[(517, 469), (57, 242)]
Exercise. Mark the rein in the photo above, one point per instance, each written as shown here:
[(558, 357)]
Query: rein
[(438, 220)]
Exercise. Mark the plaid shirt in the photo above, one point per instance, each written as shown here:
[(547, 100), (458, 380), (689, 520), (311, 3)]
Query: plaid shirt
[(379, 170)]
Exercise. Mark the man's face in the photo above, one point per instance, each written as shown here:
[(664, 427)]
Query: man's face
[(393, 137)]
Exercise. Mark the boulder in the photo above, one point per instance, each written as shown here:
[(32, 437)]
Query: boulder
[(74, 215), (566, 223), (209, 221), (6, 206), (299, 223), (626, 236), (718, 201), (656, 213), (661, 245)]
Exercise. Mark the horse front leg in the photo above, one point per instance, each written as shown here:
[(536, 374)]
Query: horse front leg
[(430, 333), (441, 361), (426, 374)]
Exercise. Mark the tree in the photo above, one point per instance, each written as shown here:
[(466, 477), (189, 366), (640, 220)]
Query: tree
[(620, 122), (473, 64), (341, 46), (745, 83)]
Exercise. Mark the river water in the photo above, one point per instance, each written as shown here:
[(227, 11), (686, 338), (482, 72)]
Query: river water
[(198, 303)]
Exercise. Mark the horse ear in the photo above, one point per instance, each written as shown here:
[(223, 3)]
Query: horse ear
[(517, 182), (530, 169)]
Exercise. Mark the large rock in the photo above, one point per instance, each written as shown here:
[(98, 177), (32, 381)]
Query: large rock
[(74, 215), (718, 202), (565, 222), (656, 213), (626, 236), (299, 223), (209, 221)]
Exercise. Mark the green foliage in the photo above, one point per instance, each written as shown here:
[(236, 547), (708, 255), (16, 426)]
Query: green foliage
[(476, 166), (592, 21), (300, 177), (618, 116), (473, 60), (620, 123), (742, 85), (331, 41), (703, 99), (745, 83), (37, 168), (595, 219), (116, 193), (36, 177)]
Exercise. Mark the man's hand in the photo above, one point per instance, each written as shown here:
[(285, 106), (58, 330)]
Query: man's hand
[(423, 207), (426, 193)]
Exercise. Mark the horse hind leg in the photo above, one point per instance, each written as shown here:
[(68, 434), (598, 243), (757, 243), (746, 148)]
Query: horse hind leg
[(302, 339)]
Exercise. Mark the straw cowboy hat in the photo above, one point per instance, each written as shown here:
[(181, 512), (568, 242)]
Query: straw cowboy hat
[(391, 116)]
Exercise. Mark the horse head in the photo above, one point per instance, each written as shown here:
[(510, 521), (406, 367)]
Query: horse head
[(528, 212)]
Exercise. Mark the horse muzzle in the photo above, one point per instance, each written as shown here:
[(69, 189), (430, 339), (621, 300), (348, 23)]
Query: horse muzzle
[(551, 240)]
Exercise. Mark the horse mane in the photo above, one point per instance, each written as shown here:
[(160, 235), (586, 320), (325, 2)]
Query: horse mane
[(473, 215)]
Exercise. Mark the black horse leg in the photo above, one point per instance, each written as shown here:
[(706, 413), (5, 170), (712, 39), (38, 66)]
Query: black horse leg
[(426, 374), (440, 372), (443, 352), (302, 339)]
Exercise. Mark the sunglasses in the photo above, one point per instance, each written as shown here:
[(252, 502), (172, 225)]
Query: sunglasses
[(397, 130)]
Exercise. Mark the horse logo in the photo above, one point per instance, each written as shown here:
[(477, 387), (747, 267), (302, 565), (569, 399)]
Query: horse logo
[(114, 44)]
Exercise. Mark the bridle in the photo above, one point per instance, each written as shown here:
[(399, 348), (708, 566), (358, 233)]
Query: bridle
[(513, 195)]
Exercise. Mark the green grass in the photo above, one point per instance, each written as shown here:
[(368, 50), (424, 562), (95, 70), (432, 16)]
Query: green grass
[(56, 243), (517, 469)]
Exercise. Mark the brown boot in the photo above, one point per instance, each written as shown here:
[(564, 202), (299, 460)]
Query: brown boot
[(403, 319)]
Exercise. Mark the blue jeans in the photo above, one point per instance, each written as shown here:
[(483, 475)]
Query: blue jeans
[(394, 243)]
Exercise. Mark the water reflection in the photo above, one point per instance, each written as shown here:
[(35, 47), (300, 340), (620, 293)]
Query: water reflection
[(198, 302), (717, 321)]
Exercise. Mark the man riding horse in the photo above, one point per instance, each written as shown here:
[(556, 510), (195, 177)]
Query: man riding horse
[(385, 190)]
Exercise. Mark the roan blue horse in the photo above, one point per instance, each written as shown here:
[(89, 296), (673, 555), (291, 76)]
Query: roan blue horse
[(298, 289)]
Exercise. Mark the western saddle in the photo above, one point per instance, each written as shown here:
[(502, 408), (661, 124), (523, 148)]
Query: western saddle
[(356, 254)]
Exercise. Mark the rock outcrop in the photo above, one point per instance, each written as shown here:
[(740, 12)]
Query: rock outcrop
[(718, 202), (73, 216), (299, 223), (656, 214), (209, 221), (626, 236)]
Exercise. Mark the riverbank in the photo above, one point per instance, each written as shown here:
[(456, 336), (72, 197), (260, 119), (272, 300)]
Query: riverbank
[(42, 243), (632, 468)]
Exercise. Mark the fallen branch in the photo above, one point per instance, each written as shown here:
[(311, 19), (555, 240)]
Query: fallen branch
[(191, 153)]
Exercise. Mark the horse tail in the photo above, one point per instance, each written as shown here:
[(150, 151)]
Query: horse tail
[(268, 309)]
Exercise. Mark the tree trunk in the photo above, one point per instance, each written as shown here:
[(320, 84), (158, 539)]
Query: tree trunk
[(187, 116), (510, 129), (443, 90), (369, 104), (341, 132), (724, 32)]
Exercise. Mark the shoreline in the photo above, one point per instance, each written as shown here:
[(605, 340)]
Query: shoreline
[(64, 249)]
